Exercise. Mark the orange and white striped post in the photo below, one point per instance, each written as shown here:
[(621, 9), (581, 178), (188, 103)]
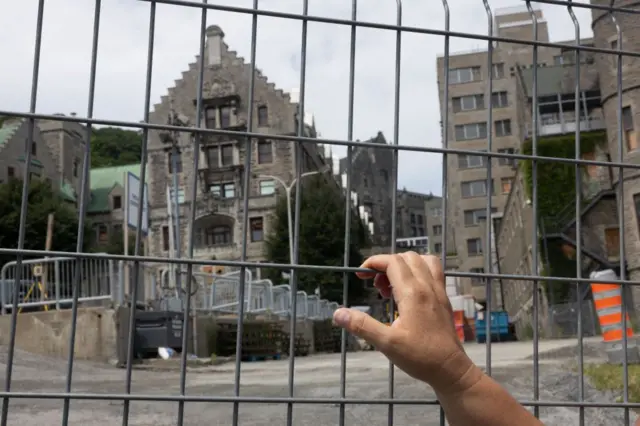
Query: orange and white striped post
[(607, 299)]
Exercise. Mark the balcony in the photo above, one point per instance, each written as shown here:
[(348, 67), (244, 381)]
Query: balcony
[(222, 251), (556, 125)]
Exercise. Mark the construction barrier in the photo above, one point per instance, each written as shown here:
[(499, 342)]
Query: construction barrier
[(607, 299), (458, 320)]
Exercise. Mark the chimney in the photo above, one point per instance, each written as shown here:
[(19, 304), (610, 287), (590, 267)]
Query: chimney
[(215, 35)]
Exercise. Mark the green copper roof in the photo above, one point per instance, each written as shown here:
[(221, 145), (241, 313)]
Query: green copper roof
[(102, 182)]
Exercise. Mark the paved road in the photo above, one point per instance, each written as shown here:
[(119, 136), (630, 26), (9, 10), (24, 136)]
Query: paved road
[(317, 376)]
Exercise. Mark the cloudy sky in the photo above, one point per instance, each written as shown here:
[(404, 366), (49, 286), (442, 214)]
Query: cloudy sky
[(66, 51)]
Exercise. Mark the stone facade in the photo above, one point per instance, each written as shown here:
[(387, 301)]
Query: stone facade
[(56, 153), (220, 172), (372, 182)]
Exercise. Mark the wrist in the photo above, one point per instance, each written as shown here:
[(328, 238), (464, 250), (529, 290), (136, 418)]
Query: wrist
[(458, 374)]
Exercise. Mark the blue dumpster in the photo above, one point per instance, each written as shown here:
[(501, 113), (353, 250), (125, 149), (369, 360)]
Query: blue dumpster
[(499, 326)]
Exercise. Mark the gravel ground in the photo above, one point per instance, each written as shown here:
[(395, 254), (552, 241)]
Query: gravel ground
[(317, 376)]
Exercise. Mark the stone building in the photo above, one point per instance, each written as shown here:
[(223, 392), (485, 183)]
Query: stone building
[(56, 153), (218, 224), (371, 182)]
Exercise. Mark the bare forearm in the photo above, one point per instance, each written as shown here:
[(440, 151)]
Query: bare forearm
[(485, 403)]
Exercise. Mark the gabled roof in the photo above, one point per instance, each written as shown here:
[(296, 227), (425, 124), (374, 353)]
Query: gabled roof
[(102, 182)]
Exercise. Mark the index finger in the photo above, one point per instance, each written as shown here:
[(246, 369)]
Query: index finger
[(392, 265)]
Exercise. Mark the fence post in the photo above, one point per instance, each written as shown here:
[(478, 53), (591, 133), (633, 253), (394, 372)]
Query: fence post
[(56, 279), (120, 282)]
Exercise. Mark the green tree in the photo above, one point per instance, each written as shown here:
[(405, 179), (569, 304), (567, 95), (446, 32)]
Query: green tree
[(42, 201), (322, 238), (113, 146)]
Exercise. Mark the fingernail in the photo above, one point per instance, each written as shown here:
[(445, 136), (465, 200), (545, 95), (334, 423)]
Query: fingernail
[(341, 317)]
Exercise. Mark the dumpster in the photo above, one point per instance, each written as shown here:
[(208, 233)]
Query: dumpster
[(500, 330), (157, 329)]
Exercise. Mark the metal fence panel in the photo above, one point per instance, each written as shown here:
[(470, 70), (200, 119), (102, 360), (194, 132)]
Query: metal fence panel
[(91, 276)]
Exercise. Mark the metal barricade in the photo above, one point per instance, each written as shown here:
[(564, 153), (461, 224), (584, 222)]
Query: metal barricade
[(48, 282)]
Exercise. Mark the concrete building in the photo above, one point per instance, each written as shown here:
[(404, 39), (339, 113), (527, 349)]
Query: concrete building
[(599, 125), (467, 109), (218, 224)]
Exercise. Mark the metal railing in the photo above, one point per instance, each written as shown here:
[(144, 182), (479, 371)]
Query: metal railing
[(48, 283), (220, 294)]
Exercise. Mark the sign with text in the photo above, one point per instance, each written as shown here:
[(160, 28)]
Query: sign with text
[(133, 204)]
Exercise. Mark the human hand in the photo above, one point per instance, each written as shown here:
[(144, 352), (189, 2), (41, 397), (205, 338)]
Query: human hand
[(422, 341)]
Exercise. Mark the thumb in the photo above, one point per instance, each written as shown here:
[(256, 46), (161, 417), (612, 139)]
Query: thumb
[(364, 326)]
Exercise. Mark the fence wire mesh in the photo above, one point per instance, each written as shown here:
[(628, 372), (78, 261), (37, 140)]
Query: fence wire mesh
[(81, 276)]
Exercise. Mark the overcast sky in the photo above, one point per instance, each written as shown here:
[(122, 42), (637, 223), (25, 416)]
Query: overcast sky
[(66, 50)]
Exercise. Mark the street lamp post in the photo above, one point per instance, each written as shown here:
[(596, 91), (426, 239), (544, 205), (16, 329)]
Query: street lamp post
[(287, 192)]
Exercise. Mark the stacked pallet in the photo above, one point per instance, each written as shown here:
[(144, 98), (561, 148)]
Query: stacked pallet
[(327, 337), (261, 340)]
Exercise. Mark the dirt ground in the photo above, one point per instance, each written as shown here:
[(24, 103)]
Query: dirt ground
[(315, 376)]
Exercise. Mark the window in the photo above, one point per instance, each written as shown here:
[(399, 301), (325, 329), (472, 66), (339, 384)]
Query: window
[(475, 281), (117, 202), (263, 116), (419, 219), (11, 172), (34, 175), (76, 164), (213, 157), (497, 70), (505, 184), (226, 156), (414, 231), (103, 233), (499, 100), (503, 127), (473, 217), (265, 152), (165, 238), (612, 240), (436, 212), (412, 219), (474, 246), (224, 190), (210, 118), (218, 235), (468, 103), (465, 132), (629, 132), (472, 161), (257, 234), (506, 161), (267, 187), (558, 60), (475, 188), (464, 75), (614, 44), (437, 248), (34, 149), (437, 230), (225, 117), (180, 196), (178, 161), (385, 175)]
